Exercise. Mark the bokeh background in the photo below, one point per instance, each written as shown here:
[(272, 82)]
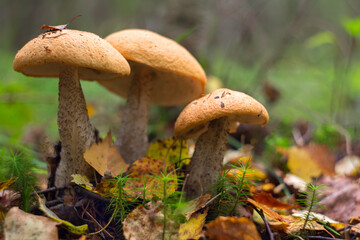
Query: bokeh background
[(299, 58)]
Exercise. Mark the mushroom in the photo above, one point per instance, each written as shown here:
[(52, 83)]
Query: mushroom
[(162, 72), (211, 117), (71, 55)]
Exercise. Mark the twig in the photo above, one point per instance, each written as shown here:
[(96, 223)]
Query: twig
[(208, 202), (260, 212), (320, 237), (92, 218), (48, 190)]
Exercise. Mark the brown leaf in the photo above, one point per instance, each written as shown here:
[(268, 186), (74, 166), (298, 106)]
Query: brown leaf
[(104, 156), (144, 223), (342, 199), (22, 225), (268, 200), (232, 228)]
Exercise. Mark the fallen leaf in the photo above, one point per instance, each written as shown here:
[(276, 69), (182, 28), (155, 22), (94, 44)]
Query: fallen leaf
[(268, 200), (319, 218), (267, 211), (146, 174), (21, 225), (348, 166), (78, 230), (192, 228), (232, 228), (309, 161), (91, 109), (82, 181), (174, 150), (104, 156), (147, 223), (342, 199), (295, 181)]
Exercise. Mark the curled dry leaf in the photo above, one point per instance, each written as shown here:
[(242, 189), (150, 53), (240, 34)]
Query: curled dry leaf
[(232, 228), (104, 156), (268, 200), (146, 173), (21, 225)]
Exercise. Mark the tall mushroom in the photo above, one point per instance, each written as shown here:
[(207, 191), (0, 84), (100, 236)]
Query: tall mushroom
[(71, 55), (211, 117), (162, 72)]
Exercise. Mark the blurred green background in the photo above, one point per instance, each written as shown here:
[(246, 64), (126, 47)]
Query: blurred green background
[(299, 58)]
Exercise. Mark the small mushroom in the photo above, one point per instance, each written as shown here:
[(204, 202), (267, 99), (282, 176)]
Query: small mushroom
[(162, 72), (71, 55), (210, 120)]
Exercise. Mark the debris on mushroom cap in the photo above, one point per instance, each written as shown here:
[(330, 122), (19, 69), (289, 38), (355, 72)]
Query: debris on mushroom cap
[(178, 77), (44, 55), (237, 106)]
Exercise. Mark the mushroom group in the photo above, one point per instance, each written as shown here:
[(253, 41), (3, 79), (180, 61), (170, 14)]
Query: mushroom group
[(210, 118), (71, 55), (162, 72)]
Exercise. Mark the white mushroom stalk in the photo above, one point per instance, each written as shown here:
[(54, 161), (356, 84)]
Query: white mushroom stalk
[(206, 164), (132, 139), (75, 130)]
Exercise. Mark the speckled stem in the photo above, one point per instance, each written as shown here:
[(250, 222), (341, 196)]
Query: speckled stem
[(132, 140), (76, 132), (206, 164)]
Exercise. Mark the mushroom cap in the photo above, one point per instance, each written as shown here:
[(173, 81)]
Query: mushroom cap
[(46, 54), (237, 106), (177, 76)]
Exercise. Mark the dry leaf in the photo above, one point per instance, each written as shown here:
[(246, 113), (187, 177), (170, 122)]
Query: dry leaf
[(104, 156), (82, 181), (146, 173), (192, 228), (232, 228), (21, 225), (342, 198), (348, 166), (6, 184), (144, 223), (268, 200), (295, 181), (309, 161), (251, 174)]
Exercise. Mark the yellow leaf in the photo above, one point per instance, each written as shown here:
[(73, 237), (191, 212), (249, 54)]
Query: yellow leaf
[(82, 181), (192, 228), (146, 174), (232, 228), (302, 164), (104, 156), (174, 150)]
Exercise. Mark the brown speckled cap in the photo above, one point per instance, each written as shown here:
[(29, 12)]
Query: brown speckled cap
[(237, 106), (44, 55), (178, 77)]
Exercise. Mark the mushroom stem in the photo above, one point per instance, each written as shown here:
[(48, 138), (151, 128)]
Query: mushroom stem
[(132, 140), (75, 130), (206, 164)]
